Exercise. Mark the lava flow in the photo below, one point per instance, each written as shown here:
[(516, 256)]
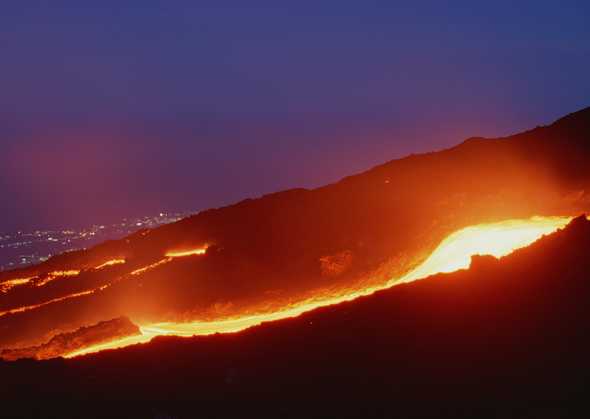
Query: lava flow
[(110, 263), (52, 301), (496, 239), (57, 274), (453, 253), (169, 256), (8, 285), (190, 252)]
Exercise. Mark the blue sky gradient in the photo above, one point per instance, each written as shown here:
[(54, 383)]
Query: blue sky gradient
[(118, 108)]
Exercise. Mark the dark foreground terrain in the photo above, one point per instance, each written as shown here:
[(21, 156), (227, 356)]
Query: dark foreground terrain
[(506, 338)]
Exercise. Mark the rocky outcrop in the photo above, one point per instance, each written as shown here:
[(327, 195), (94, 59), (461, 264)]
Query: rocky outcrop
[(65, 343)]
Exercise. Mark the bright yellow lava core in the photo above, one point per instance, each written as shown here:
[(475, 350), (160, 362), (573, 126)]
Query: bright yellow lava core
[(454, 253), (189, 252), (496, 239), (110, 263)]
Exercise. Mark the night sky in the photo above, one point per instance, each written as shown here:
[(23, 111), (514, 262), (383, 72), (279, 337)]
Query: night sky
[(119, 108)]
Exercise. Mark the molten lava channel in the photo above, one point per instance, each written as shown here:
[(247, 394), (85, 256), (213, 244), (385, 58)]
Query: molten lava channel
[(8, 285), (190, 252), (51, 276), (110, 263), (11, 283), (454, 253)]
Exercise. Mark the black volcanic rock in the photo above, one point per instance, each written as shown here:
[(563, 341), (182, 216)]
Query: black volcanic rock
[(65, 343)]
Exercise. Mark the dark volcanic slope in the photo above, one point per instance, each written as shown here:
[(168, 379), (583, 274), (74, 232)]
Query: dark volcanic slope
[(275, 248), (506, 338)]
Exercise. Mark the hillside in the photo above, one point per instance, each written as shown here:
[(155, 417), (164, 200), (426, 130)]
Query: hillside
[(505, 338), (265, 253)]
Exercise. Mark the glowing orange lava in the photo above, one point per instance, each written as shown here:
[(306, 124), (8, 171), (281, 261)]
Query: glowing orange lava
[(453, 253), (189, 252), (110, 263), (496, 239), (57, 274), (11, 283), (7, 285), (152, 266), (169, 256), (55, 300)]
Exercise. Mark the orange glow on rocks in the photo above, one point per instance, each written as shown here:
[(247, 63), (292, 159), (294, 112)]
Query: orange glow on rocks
[(453, 253)]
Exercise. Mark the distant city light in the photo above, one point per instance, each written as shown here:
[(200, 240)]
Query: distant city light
[(29, 248)]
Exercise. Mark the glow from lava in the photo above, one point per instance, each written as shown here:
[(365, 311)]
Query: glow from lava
[(453, 253), (110, 263), (7, 285), (139, 271), (496, 239), (57, 274), (169, 257), (189, 252), (11, 283), (52, 301)]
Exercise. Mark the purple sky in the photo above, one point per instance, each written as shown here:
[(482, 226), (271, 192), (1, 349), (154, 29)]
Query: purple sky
[(124, 108)]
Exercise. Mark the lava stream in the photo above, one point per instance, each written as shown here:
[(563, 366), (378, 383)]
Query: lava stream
[(57, 274), (453, 253), (11, 283), (149, 267), (189, 252), (52, 301), (110, 263), (7, 285)]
